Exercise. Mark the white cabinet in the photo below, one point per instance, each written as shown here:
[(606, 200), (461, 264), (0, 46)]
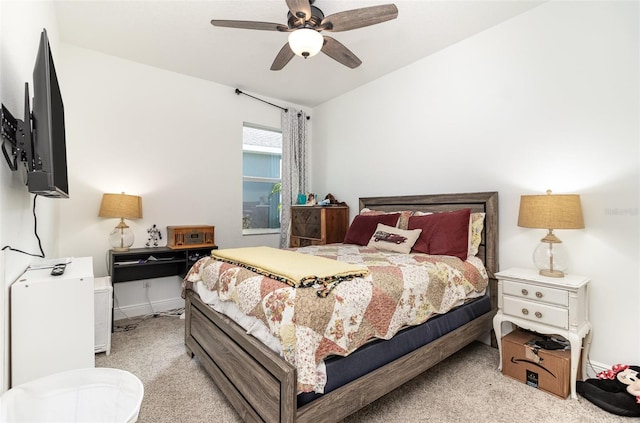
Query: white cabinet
[(546, 305), (52, 325), (103, 296)]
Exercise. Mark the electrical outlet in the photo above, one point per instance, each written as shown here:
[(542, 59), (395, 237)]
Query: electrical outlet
[(145, 284)]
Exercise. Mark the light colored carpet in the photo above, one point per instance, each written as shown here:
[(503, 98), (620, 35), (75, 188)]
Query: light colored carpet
[(465, 387)]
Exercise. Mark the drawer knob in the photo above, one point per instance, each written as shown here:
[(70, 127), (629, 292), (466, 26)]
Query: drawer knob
[(538, 315), (538, 294), (525, 311), (525, 292)]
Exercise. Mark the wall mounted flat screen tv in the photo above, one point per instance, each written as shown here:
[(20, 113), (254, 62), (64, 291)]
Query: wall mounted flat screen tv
[(47, 174)]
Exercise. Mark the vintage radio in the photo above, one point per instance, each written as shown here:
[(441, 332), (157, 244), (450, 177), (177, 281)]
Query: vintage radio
[(190, 236)]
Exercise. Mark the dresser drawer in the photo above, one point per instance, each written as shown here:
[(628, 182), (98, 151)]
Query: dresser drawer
[(536, 312), (537, 293), (296, 242), (306, 222)]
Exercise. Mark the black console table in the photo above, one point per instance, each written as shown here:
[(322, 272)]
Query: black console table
[(149, 263)]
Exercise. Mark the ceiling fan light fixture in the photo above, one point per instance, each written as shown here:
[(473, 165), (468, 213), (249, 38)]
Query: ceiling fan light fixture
[(306, 42)]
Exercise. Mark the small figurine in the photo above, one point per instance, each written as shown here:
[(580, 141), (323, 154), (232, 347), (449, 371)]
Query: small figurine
[(154, 236)]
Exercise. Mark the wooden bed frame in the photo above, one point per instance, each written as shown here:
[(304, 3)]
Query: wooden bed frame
[(261, 385)]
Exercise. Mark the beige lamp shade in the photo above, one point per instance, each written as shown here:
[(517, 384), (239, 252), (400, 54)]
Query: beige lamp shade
[(121, 205), (550, 212)]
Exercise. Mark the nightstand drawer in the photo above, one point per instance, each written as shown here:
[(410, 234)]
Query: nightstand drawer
[(537, 293), (536, 312)]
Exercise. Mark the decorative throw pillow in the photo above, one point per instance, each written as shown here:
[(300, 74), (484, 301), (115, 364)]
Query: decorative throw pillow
[(403, 220), (389, 238), (445, 233), (363, 227), (476, 225), (475, 233)]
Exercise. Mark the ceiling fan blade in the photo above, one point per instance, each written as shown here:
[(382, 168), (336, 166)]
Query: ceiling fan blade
[(283, 57), (338, 52), (359, 18), (263, 26), (301, 9)]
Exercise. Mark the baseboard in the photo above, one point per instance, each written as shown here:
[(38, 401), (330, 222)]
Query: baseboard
[(144, 309), (594, 367)]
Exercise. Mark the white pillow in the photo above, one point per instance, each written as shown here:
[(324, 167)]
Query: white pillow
[(389, 238)]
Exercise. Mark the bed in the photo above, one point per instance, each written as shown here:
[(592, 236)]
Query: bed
[(262, 386)]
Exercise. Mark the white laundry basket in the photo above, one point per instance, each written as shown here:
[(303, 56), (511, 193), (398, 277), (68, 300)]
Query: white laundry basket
[(82, 395)]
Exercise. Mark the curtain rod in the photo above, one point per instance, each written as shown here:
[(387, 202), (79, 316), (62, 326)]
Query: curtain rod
[(264, 101)]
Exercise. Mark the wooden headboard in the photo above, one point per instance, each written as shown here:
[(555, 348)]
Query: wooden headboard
[(478, 202)]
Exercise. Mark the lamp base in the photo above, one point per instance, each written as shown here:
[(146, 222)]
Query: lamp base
[(550, 256), (121, 238), (552, 273)]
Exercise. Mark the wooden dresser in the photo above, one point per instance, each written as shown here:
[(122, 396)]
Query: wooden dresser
[(318, 225)]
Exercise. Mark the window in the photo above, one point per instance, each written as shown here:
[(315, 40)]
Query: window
[(261, 173)]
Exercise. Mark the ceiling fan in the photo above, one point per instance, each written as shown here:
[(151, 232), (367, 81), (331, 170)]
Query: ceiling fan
[(304, 24)]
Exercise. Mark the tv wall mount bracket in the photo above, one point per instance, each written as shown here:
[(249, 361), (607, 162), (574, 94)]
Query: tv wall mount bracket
[(17, 133)]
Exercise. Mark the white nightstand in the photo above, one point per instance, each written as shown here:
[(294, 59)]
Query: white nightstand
[(558, 306)]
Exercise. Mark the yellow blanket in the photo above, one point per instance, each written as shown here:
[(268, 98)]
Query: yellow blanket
[(295, 269)]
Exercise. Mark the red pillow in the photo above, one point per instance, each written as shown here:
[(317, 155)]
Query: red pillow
[(363, 227), (444, 233)]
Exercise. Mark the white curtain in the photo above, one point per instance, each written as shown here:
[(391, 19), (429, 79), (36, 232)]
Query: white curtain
[(294, 166)]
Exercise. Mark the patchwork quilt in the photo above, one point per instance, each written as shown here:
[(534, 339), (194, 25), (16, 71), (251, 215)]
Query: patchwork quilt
[(400, 290)]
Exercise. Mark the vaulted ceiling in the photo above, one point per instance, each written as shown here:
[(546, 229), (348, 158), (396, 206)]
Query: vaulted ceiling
[(177, 36)]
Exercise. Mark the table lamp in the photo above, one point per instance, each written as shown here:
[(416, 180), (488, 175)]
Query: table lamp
[(550, 212), (121, 206)]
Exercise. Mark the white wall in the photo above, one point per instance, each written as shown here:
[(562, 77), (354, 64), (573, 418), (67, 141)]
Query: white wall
[(20, 26), (172, 139), (548, 99)]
